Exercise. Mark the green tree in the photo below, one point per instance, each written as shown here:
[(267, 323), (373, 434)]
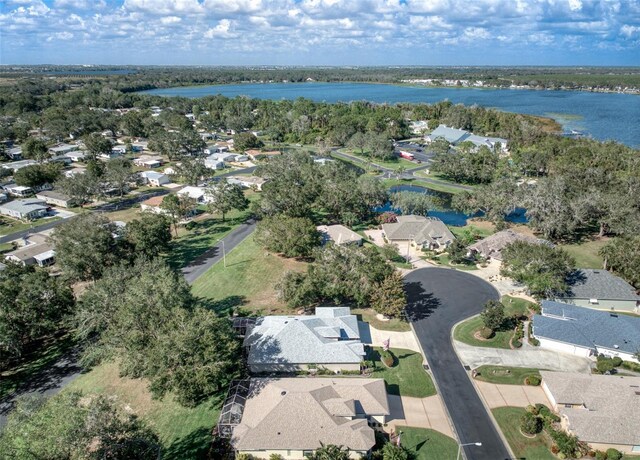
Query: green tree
[(493, 315), (358, 141), (530, 424), (245, 141), (80, 187), (70, 426), (412, 202), (85, 246), (388, 297), (177, 207), (390, 451), (225, 197), (119, 173), (97, 145), (330, 452), (380, 147), (37, 175), (297, 290), (622, 256), (457, 251), (542, 268), (32, 304), (289, 236), (192, 169), (149, 235), (35, 149)]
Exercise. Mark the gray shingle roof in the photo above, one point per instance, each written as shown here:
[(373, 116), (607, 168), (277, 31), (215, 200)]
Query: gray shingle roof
[(419, 229), (451, 135), (493, 245), (315, 339), (586, 283), (586, 327), (301, 414), (611, 412), (25, 206)]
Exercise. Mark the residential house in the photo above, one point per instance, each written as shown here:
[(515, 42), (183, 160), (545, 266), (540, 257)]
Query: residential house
[(20, 191), (217, 148), (154, 178), (148, 161), (14, 153), (425, 232), (257, 154), (29, 208), (153, 204), (63, 149), (339, 234), (76, 156), (212, 162), (199, 194), (35, 250), (56, 198), (601, 410), (330, 339), (323, 161), (601, 290), (585, 332), (293, 417), (491, 247), (116, 151), (75, 171), (3, 197), (224, 157), (15, 165), (457, 136), (254, 182)]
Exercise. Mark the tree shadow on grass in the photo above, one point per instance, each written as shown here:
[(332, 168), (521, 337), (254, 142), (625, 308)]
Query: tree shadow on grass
[(194, 446), (224, 306)]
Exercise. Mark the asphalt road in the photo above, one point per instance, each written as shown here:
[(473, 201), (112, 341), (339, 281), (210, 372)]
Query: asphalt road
[(438, 298)]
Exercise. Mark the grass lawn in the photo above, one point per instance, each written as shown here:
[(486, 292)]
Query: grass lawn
[(505, 375), (508, 419), (465, 331), (586, 254), (249, 279), (481, 228), (443, 259), (407, 377), (368, 315), (208, 230), (44, 354), (9, 225), (389, 164), (428, 444), (184, 432)]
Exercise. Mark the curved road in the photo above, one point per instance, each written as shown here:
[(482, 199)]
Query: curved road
[(438, 298)]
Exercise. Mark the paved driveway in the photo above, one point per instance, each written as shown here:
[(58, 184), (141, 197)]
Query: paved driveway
[(438, 298)]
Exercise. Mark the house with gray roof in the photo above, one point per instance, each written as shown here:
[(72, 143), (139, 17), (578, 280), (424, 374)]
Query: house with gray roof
[(602, 290), (455, 136), (339, 234), (329, 339), (491, 247), (29, 208), (601, 410), (425, 232), (56, 198), (585, 332), (293, 417)]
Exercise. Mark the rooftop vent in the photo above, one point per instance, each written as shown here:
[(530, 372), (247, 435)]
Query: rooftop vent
[(616, 346), (282, 394)]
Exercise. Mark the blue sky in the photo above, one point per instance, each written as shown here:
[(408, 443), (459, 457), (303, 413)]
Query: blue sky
[(320, 32)]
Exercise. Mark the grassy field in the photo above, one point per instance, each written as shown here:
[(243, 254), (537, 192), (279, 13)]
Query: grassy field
[(184, 432), (389, 164), (407, 377), (248, 280), (8, 225), (428, 444), (465, 331), (505, 375), (586, 254), (524, 448), (443, 259), (43, 355), (368, 315)]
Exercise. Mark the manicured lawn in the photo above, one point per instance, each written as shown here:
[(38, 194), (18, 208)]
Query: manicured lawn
[(248, 280), (482, 229), (465, 331), (407, 377), (368, 315), (389, 164), (586, 254), (428, 444), (443, 259), (184, 432), (508, 419), (505, 375), (43, 355), (8, 225)]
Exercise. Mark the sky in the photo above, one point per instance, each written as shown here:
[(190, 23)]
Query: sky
[(320, 32)]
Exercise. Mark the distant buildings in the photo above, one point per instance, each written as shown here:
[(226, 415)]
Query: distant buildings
[(601, 290), (154, 178), (247, 181), (56, 198), (425, 232), (457, 136)]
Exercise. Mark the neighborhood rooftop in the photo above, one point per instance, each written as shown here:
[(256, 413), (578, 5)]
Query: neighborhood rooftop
[(303, 414), (587, 283), (338, 234), (586, 327), (419, 229), (493, 245), (610, 405), (329, 336)]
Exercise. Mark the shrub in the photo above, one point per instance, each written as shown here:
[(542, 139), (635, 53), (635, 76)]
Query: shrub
[(604, 365), (532, 380), (601, 455), (276, 457), (630, 365), (486, 333), (190, 225), (244, 457), (566, 443), (516, 343), (535, 342), (614, 454), (617, 361), (530, 424), (387, 358), (532, 409)]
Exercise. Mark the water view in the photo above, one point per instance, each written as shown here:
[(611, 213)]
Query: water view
[(601, 115)]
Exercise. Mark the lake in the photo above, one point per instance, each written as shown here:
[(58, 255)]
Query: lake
[(444, 211), (601, 115)]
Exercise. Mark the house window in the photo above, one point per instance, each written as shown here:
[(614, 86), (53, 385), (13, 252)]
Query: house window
[(569, 406), (307, 453)]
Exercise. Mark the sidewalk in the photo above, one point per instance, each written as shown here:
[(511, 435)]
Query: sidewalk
[(496, 395), (375, 337), (419, 412)]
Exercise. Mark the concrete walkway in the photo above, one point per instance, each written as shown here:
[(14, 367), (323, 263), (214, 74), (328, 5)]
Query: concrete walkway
[(419, 412), (374, 337), (533, 357), (496, 395)]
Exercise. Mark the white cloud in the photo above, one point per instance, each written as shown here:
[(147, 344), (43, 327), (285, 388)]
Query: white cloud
[(170, 20), (60, 36), (222, 30)]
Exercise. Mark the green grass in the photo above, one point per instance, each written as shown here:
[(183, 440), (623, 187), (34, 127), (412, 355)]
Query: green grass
[(394, 324), (184, 432), (208, 230), (465, 331), (443, 259), (8, 225), (481, 232), (428, 444), (505, 375), (407, 377), (389, 164), (44, 353), (249, 279), (508, 419), (586, 254)]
